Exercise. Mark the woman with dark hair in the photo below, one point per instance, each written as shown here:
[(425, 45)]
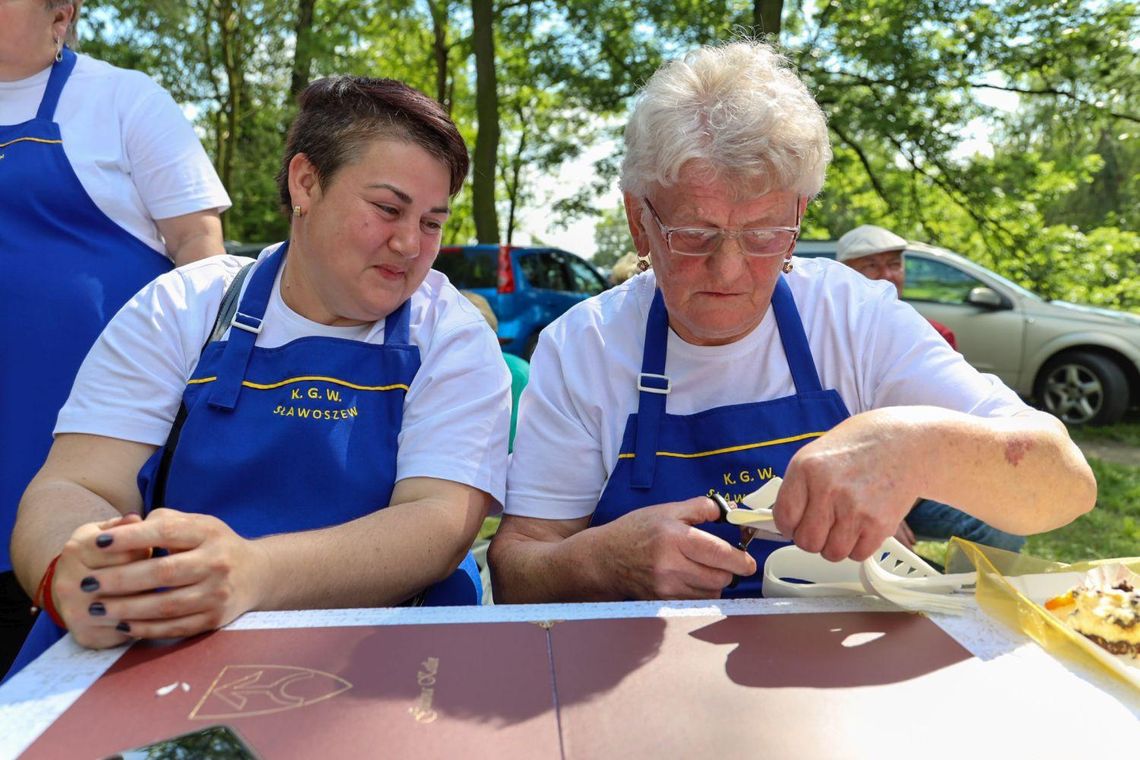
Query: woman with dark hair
[(103, 186), (337, 441)]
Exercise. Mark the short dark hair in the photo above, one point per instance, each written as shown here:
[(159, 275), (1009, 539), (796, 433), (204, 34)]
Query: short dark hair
[(339, 115)]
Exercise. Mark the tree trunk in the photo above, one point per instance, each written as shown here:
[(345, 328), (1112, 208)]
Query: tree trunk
[(438, 10), (487, 110), (230, 105), (513, 185), (766, 17), (303, 55)]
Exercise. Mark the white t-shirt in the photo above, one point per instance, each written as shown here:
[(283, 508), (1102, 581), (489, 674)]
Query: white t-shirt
[(456, 413), (873, 349), (131, 147)]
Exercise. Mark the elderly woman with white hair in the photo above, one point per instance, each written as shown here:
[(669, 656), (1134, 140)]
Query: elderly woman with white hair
[(730, 363)]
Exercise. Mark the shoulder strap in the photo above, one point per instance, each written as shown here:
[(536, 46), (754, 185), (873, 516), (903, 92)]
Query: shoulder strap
[(225, 314), (229, 306)]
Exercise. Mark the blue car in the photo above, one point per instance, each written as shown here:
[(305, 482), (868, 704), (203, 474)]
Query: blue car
[(527, 287)]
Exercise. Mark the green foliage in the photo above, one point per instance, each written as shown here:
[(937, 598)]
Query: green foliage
[(611, 235), (1055, 207)]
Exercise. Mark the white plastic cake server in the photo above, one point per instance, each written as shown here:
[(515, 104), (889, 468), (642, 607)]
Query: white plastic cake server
[(755, 511), (893, 572)]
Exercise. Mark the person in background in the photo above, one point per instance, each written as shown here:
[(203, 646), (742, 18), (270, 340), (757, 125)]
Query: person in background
[(103, 186), (624, 268), (729, 363), (878, 254), (520, 374), (518, 366), (336, 443)]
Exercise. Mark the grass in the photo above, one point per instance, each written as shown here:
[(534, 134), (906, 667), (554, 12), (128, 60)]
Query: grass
[(1127, 433)]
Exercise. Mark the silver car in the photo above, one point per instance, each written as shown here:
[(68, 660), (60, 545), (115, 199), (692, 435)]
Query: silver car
[(1079, 362)]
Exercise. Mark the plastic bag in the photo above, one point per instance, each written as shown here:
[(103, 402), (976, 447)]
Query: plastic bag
[(1022, 608)]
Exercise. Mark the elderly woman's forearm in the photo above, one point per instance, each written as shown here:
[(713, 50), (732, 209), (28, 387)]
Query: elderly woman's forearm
[(1021, 474), (526, 570)]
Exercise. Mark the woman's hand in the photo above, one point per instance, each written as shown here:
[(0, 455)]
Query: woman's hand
[(76, 591), (659, 553), (209, 577), (847, 491), (650, 553)]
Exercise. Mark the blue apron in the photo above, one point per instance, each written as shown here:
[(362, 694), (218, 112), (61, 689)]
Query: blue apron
[(287, 439), (67, 268), (730, 450)]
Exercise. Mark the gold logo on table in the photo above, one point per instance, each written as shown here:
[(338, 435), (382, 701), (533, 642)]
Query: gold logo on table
[(244, 690), (425, 678)]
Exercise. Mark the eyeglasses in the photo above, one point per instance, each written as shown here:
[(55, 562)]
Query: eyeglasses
[(753, 241)]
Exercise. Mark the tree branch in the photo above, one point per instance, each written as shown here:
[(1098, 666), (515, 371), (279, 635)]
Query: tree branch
[(957, 195), (824, 18), (866, 164), (1055, 92)]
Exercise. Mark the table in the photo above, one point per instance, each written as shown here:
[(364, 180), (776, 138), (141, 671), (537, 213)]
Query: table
[(735, 678)]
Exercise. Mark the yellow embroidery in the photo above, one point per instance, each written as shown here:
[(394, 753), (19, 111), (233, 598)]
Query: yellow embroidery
[(305, 379), (730, 449), (31, 139)]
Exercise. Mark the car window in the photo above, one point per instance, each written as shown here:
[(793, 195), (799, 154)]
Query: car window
[(544, 270), (586, 280), (928, 280), (469, 269)]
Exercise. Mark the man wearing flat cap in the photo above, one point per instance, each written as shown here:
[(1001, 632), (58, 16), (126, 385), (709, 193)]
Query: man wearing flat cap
[(877, 254)]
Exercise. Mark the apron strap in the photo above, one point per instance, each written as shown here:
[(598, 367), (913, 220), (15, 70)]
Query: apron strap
[(221, 322), (653, 387), (396, 326), (794, 339), (244, 329), (60, 71)]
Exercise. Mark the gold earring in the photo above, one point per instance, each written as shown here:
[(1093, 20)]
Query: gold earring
[(298, 211), (642, 262), (787, 267)]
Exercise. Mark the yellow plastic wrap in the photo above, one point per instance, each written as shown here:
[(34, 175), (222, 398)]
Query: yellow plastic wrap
[(999, 599)]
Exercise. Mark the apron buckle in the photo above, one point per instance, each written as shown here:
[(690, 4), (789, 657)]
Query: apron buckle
[(651, 383), (246, 322)]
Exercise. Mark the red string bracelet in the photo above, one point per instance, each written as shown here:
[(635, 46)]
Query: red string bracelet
[(43, 598)]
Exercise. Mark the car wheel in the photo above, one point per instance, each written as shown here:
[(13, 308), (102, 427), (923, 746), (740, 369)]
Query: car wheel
[(1084, 389)]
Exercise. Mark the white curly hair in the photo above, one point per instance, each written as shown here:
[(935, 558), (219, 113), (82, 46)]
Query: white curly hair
[(740, 111)]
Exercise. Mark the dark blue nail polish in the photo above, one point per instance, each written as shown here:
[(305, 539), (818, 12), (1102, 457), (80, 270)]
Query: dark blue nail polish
[(103, 540), (124, 627), (97, 609), (89, 584)]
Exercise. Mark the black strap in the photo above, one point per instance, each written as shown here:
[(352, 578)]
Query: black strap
[(226, 313)]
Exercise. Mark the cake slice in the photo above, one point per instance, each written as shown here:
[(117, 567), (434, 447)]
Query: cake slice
[(1104, 608)]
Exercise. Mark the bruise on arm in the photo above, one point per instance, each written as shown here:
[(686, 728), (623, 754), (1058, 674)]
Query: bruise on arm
[(1017, 448)]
